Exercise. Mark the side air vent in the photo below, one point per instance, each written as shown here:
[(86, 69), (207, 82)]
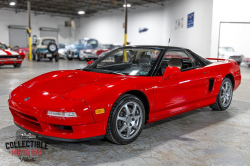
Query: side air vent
[(211, 84)]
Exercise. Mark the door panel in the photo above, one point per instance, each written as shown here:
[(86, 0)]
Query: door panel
[(179, 92)]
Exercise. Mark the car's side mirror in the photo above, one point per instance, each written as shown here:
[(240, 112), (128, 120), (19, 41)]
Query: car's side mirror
[(171, 71), (89, 62)]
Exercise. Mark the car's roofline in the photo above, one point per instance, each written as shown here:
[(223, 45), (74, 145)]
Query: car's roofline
[(47, 38), (151, 46)]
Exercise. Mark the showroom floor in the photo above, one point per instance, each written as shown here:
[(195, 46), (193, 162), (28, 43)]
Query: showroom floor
[(200, 137)]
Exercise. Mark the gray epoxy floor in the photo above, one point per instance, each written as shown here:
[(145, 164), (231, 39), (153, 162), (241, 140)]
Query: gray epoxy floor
[(200, 137)]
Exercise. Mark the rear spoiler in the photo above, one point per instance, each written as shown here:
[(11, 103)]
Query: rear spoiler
[(216, 59)]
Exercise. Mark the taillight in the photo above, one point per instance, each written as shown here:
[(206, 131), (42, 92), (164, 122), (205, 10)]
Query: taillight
[(56, 54)]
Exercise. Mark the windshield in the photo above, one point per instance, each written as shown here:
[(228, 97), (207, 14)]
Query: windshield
[(47, 41), (80, 42), (126, 62), (2, 46), (226, 49)]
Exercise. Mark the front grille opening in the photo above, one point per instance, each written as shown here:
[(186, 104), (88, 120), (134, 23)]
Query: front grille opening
[(25, 116), (64, 127)]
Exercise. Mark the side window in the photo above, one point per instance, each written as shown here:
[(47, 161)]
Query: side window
[(92, 44), (184, 63)]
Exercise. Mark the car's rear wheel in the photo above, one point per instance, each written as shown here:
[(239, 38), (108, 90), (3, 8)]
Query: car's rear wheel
[(33, 56), (126, 120), (224, 97), (57, 58), (37, 57)]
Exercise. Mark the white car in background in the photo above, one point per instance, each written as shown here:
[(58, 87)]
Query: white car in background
[(229, 53), (62, 48)]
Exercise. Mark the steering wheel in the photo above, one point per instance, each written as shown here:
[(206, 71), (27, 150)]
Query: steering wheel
[(144, 64)]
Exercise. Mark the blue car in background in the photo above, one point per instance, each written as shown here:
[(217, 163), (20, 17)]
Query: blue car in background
[(73, 50)]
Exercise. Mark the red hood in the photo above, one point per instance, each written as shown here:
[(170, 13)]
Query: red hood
[(63, 82)]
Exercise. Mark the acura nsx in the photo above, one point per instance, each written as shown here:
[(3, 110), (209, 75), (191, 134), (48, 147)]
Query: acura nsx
[(118, 94)]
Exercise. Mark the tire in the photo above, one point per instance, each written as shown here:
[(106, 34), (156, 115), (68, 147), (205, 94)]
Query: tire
[(37, 58), (33, 56), (219, 105), (50, 59), (52, 48), (17, 65), (67, 55), (57, 58), (128, 120), (81, 59)]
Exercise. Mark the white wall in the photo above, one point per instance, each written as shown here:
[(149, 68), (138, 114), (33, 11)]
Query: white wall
[(108, 27), (11, 18), (197, 38), (227, 11), (160, 20)]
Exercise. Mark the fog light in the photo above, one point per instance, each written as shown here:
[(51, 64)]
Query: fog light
[(62, 114)]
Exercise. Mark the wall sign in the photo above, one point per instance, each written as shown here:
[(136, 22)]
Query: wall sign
[(179, 23), (190, 20)]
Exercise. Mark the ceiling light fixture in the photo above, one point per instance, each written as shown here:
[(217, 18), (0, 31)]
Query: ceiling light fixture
[(81, 12), (128, 5), (12, 3)]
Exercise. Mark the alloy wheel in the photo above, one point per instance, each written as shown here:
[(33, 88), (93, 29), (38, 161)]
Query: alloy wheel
[(129, 120), (226, 94)]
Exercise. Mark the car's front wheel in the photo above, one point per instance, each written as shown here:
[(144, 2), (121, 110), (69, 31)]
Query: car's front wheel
[(17, 65), (126, 120), (224, 97)]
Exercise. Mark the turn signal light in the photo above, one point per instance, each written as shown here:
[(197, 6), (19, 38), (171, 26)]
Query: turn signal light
[(100, 111), (62, 114)]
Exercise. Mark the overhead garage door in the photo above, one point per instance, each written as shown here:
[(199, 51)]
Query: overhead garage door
[(49, 32), (18, 36)]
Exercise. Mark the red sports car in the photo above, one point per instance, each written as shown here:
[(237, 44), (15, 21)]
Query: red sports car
[(8, 57), (116, 95)]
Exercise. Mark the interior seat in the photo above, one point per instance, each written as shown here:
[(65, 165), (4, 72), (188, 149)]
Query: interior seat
[(145, 59), (175, 62)]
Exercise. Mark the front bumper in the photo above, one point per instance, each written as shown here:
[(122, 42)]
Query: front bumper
[(10, 62), (88, 56), (57, 128), (72, 54), (48, 55), (62, 139)]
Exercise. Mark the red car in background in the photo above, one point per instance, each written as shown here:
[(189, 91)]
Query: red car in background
[(107, 47), (24, 50), (116, 95), (8, 57)]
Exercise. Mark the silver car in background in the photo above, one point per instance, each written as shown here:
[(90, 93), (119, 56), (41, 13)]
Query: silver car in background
[(229, 53)]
